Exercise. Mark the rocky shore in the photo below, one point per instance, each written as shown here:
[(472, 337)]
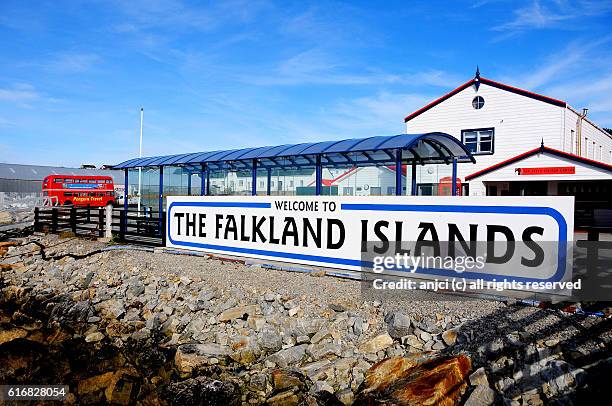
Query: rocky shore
[(127, 326)]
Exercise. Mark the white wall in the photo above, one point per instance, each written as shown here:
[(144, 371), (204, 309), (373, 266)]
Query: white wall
[(596, 143), (508, 173), (520, 123)]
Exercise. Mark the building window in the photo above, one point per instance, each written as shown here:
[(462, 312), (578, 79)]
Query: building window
[(479, 141), (478, 102)]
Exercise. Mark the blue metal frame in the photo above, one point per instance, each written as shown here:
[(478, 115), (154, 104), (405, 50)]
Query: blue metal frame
[(269, 185), (398, 172), (454, 178), (203, 180), (318, 176), (254, 178), (414, 191)]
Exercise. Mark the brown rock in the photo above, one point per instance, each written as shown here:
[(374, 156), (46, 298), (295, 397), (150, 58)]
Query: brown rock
[(287, 398), (192, 356), (4, 245), (11, 333), (376, 344), (95, 383), (237, 312), (283, 379), (402, 381), (19, 266), (122, 387), (450, 337)]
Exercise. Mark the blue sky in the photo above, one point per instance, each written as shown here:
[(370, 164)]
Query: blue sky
[(230, 74)]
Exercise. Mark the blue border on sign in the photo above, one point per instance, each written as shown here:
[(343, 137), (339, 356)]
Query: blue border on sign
[(547, 211)]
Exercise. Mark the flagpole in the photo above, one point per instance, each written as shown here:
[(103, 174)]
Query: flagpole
[(140, 156)]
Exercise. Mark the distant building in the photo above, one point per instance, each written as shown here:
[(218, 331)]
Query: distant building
[(17, 178)]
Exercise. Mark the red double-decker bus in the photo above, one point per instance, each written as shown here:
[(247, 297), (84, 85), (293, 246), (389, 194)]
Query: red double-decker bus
[(66, 190)]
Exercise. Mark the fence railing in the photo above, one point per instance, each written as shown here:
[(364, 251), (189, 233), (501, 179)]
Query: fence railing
[(131, 225)]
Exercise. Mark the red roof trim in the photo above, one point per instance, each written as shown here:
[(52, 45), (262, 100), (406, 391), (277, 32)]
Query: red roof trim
[(439, 100), (489, 82), (330, 182), (542, 149), (523, 92)]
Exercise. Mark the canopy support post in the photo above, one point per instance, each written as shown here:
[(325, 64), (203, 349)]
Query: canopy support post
[(189, 184), (413, 190), (398, 172), (203, 180), (318, 176), (454, 178), (269, 185), (207, 181), (254, 178), (161, 200)]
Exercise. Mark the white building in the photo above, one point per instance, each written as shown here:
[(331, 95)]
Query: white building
[(524, 143)]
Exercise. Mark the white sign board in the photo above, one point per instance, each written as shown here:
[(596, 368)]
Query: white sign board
[(334, 231)]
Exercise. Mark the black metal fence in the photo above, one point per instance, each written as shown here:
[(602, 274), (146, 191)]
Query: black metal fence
[(125, 226)]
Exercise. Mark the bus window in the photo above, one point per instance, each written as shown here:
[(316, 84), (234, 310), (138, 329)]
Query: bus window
[(91, 181), (58, 180), (67, 180), (68, 194)]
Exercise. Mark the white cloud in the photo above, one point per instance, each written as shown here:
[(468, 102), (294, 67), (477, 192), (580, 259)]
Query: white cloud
[(539, 14), (20, 94), (316, 66), (72, 62)]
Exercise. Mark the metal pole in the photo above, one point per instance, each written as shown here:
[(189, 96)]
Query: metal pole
[(140, 156), (269, 187), (318, 176), (189, 184), (414, 190), (254, 178), (203, 180), (454, 178), (161, 198), (398, 172), (207, 181)]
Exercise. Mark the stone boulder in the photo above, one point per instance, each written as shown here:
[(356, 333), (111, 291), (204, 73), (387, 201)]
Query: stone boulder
[(410, 381), (398, 325), (193, 356), (202, 391)]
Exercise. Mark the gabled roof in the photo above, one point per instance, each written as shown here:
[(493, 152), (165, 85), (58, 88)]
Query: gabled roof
[(480, 80), (540, 150)]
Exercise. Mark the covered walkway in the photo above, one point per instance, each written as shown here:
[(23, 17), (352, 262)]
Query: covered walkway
[(305, 159)]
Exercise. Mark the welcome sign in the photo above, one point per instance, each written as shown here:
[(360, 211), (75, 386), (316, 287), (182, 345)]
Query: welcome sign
[(335, 232)]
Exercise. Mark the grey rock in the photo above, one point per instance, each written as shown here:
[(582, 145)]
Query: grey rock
[(289, 356), (481, 396), (398, 325), (479, 377), (269, 339)]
